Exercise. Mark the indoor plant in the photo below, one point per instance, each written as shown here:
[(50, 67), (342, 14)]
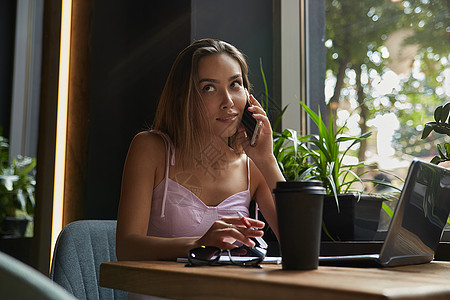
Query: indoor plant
[(17, 183), (441, 125), (349, 213), (292, 154)]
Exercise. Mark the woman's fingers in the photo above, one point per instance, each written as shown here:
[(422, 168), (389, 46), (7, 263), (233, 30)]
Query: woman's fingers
[(236, 234), (237, 221), (256, 106), (253, 101), (259, 114), (224, 232)]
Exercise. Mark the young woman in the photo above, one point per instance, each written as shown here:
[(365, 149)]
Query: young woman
[(185, 180)]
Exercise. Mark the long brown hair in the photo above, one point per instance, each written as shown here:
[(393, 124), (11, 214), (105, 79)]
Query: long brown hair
[(181, 112)]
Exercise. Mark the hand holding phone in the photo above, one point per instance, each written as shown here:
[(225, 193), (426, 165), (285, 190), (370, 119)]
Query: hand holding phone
[(251, 125)]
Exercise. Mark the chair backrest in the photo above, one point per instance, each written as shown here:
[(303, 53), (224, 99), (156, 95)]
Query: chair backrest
[(20, 281), (80, 249)]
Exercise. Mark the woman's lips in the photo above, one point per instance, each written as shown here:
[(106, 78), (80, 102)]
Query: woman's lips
[(228, 118)]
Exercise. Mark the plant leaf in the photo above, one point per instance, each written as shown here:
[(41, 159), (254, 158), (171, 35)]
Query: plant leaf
[(356, 141), (445, 112), (391, 174), (438, 113), (266, 106), (325, 230), (440, 150), (21, 199), (311, 113), (427, 129), (333, 188), (307, 173), (278, 120), (435, 160), (387, 209), (448, 120)]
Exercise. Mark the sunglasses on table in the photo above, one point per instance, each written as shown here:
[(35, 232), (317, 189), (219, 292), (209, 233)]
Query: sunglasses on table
[(243, 256)]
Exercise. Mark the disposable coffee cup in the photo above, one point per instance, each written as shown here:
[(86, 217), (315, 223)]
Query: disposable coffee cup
[(299, 211)]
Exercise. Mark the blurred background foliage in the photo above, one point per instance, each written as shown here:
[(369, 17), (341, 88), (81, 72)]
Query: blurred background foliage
[(388, 57)]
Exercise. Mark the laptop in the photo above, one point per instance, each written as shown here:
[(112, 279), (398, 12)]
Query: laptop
[(417, 225)]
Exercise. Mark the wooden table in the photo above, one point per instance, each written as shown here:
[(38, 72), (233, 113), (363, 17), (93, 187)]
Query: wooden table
[(174, 280)]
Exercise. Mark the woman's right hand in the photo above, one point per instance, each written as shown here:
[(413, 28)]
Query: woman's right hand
[(264, 144), (224, 232)]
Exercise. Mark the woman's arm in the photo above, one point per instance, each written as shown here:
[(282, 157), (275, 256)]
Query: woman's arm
[(267, 173), (144, 166), (264, 197), (262, 152)]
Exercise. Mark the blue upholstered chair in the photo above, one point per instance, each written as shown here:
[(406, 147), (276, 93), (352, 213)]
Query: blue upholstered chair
[(20, 281), (80, 249)]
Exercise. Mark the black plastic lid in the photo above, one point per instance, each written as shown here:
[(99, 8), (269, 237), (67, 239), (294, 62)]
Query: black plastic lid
[(310, 186)]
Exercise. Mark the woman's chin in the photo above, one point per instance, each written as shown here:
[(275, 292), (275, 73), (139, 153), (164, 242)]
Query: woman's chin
[(228, 132)]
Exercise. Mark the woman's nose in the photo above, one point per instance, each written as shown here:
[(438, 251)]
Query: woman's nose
[(227, 101)]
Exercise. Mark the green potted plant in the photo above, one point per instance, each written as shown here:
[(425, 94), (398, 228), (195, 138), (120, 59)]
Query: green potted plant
[(441, 125), (292, 154), (349, 213), (17, 184)]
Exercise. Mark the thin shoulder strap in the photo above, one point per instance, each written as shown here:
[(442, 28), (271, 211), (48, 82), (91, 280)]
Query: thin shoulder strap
[(248, 173), (248, 187), (170, 158)]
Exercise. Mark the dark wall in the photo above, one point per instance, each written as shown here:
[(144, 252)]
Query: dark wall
[(248, 25), (133, 46), (7, 33)]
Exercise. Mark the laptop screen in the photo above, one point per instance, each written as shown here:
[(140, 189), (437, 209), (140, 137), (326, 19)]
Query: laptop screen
[(421, 213)]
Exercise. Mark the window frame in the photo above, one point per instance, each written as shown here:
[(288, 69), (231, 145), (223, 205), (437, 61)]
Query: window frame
[(300, 64)]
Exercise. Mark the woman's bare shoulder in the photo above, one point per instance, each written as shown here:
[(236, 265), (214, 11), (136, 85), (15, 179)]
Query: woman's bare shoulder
[(148, 144), (148, 138)]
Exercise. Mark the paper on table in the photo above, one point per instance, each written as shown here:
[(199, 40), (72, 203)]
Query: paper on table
[(225, 258)]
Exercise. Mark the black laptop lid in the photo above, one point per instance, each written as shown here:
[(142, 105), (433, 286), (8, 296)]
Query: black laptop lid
[(420, 216)]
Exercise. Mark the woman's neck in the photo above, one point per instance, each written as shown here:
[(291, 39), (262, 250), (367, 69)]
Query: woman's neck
[(214, 155)]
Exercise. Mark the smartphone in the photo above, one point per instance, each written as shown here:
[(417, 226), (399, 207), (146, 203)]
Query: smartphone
[(252, 127)]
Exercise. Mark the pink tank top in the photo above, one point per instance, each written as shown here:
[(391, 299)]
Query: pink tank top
[(177, 212)]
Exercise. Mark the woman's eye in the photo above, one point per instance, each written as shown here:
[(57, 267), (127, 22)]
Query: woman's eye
[(235, 84), (208, 88)]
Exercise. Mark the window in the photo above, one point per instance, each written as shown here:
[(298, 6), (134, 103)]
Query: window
[(387, 69)]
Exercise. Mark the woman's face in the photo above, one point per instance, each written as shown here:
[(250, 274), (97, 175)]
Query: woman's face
[(221, 87)]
